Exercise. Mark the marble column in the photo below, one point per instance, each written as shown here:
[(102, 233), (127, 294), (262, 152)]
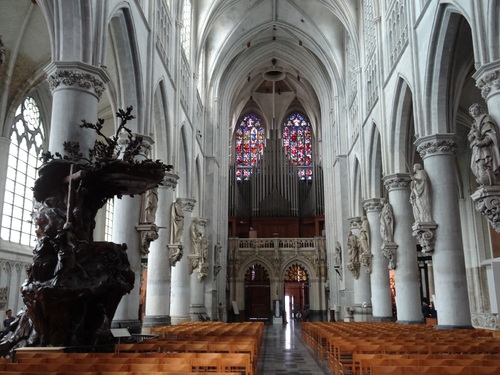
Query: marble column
[(198, 275), (406, 273), (379, 277), (4, 158), (361, 285), (76, 89), (450, 280), (126, 217), (180, 295), (158, 282)]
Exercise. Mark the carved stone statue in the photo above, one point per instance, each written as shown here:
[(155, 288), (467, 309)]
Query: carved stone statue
[(420, 195), (337, 256), (364, 245), (353, 249), (150, 206), (177, 222), (484, 142), (386, 222), (364, 236)]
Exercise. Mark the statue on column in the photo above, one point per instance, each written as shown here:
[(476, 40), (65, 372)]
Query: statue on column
[(386, 222), (420, 195), (177, 222), (337, 259), (388, 247), (199, 250), (420, 199), (353, 249), (147, 227), (484, 142), (364, 245)]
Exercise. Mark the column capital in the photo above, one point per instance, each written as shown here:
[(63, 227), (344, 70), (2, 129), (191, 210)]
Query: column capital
[(187, 204), (373, 205), (354, 222), (397, 181), (170, 180), (76, 75), (436, 144), (488, 79)]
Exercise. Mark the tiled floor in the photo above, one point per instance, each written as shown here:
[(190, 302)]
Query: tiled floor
[(284, 352)]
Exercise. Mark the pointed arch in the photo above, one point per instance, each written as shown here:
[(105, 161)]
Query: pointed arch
[(162, 123), (124, 66), (374, 157), (356, 191), (451, 60), (401, 151)]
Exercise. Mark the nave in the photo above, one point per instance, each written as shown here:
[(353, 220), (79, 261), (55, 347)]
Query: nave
[(284, 351)]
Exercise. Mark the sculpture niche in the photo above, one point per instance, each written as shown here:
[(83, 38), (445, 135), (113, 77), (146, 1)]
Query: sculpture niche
[(75, 284)]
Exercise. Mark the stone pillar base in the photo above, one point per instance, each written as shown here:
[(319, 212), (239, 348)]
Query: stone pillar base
[(410, 321), (441, 326), (195, 311), (156, 321), (133, 326), (362, 314), (176, 319), (383, 319)]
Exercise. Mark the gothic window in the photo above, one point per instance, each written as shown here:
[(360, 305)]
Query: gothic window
[(108, 229), (297, 140), (296, 273), (257, 274), (186, 28), (26, 146), (249, 145)]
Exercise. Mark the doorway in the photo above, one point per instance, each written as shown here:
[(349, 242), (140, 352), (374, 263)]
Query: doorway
[(296, 285), (257, 293)]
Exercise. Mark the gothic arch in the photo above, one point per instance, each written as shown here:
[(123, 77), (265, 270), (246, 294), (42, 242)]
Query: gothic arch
[(400, 150), (374, 158), (162, 124), (447, 71), (124, 68), (356, 189), (182, 164), (303, 262)]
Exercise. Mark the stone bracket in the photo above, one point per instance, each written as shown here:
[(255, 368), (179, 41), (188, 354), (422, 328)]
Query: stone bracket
[(389, 252), (175, 253), (487, 202), (424, 233)]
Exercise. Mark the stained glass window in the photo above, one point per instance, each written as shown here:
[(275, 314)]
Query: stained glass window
[(249, 144), (296, 273), (297, 140)]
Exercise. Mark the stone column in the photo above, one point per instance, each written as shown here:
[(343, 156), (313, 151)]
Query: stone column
[(158, 282), (180, 296), (198, 274), (4, 158), (406, 273), (362, 290), (76, 89), (487, 77), (379, 277), (450, 279), (126, 217)]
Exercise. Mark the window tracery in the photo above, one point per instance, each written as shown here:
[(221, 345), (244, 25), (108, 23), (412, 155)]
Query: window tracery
[(249, 145), (296, 273), (26, 146), (297, 141)]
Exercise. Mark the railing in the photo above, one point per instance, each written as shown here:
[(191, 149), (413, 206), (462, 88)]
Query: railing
[(277, 243)]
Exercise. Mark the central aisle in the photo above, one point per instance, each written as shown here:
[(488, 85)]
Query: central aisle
[(284, 352)]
